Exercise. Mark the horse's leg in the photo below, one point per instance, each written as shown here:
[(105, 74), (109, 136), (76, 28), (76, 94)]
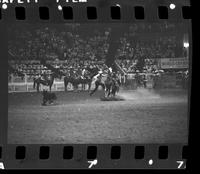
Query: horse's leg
[(71, 85), (78, 88), (74, 87), (109, 92), (89, 86), (33, 84), (38, 87), (86, 85), (66, 84), (105, 90), (114, 91), (117, 90), (96, 87), (82, 86), (44, 101)]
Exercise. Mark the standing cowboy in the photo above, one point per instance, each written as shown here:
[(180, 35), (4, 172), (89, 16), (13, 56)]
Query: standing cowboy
[(83, 72), (98, 82)]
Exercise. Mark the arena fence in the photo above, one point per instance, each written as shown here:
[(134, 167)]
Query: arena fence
[(28, 87), (18, 84)]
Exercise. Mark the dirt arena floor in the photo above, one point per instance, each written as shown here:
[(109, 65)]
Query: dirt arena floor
[(143, 117)]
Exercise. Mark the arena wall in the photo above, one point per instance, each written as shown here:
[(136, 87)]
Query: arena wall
[(28, 87)]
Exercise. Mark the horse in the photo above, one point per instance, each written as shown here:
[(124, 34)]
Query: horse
[(140, 81), (114, 87), (46, 82), (111, 86), (68, 79), (86, 81), (108, 86), (75, 81)]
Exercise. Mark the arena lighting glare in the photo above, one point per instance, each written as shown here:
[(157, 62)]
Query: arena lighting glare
[(59, 7), (186, 44), (172, 6), (4, 6)]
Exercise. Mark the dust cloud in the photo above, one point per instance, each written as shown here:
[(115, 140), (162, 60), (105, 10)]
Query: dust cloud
[(138, 94)]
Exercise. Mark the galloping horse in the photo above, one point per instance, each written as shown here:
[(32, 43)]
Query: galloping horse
[(46, 82)]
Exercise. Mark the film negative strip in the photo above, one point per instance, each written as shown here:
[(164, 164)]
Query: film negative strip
[(95, 84)]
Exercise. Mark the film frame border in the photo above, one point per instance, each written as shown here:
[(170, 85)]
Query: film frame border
[(153, 11), (79, 160)]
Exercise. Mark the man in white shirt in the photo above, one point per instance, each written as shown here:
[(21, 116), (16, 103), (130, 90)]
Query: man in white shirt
[(98, 82)]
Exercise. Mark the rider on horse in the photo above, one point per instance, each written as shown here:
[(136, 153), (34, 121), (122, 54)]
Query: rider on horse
[(108, 84), (44, 80), (44, 75)]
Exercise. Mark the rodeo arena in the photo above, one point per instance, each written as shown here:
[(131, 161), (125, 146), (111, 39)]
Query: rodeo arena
[(98, 83)]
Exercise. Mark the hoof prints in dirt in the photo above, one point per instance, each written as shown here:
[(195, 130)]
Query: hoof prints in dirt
[(111, 99)]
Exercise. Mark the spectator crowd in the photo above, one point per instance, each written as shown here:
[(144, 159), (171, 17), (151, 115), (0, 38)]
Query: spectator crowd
[(71, 47)]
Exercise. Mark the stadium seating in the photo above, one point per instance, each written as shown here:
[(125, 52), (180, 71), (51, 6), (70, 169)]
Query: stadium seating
[(68, 46)]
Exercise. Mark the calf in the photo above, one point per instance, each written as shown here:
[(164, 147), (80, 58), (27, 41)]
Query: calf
[(48, 97)]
